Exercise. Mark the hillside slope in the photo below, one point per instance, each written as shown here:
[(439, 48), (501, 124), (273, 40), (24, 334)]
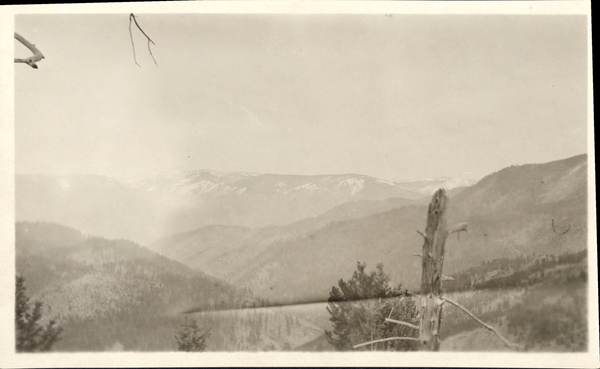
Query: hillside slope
[(510, 213), (110, 294), (223, 251)]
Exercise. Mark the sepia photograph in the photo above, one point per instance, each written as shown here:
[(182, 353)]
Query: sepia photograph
[(307, 183)]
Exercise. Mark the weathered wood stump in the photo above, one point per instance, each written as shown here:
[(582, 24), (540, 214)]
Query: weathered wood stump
[(432, 261)]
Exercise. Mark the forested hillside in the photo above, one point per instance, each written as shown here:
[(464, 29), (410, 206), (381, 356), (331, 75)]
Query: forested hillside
[(114, 294)]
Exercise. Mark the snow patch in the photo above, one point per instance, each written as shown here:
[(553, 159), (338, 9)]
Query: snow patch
[(385, 182), (354, 184), (307, 187)]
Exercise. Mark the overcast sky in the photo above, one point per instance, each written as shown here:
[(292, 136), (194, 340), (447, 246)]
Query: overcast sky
[(408, 96)]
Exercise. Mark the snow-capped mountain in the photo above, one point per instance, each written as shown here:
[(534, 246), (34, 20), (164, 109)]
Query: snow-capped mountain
[(146, 208), (212, 183)]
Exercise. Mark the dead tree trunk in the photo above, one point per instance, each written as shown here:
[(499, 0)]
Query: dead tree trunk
[(432, 261)]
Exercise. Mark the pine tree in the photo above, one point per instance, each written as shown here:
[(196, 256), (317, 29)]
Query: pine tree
[(189, 337), (358, 309), (30, 335)]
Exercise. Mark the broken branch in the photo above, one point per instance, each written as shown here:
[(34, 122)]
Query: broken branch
[(133, 17), (506, 342), (402, 323), (37, 54), (132, 44), (461, 227), (385, 339)]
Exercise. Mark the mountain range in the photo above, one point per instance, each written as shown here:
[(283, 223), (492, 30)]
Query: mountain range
[(152, 207), (250, 229), (519, 210), (526, 224)]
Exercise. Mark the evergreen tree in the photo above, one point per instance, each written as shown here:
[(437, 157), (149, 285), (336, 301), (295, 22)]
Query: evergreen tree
[(30, 335), (189, 337), (358, 309)]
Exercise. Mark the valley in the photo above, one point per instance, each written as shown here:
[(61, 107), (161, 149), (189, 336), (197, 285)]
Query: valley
[(253, 257), (510, 213)]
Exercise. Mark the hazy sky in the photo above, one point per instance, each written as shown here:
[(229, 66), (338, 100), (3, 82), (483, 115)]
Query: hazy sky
[(406, 96)]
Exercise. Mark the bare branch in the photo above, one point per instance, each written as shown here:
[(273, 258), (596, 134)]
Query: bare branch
[(132, 44), (422, 234), (37, 54), (417, 254), (506, 342), (132, 17), (460, 227), (446, 278), (385, 339), (402, 323), (457, 228)]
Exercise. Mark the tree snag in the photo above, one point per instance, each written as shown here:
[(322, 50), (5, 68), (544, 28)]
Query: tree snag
[(432, 262), (432, 300)]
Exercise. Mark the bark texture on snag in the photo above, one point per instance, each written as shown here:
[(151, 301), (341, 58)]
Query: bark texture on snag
[(432, 262)]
